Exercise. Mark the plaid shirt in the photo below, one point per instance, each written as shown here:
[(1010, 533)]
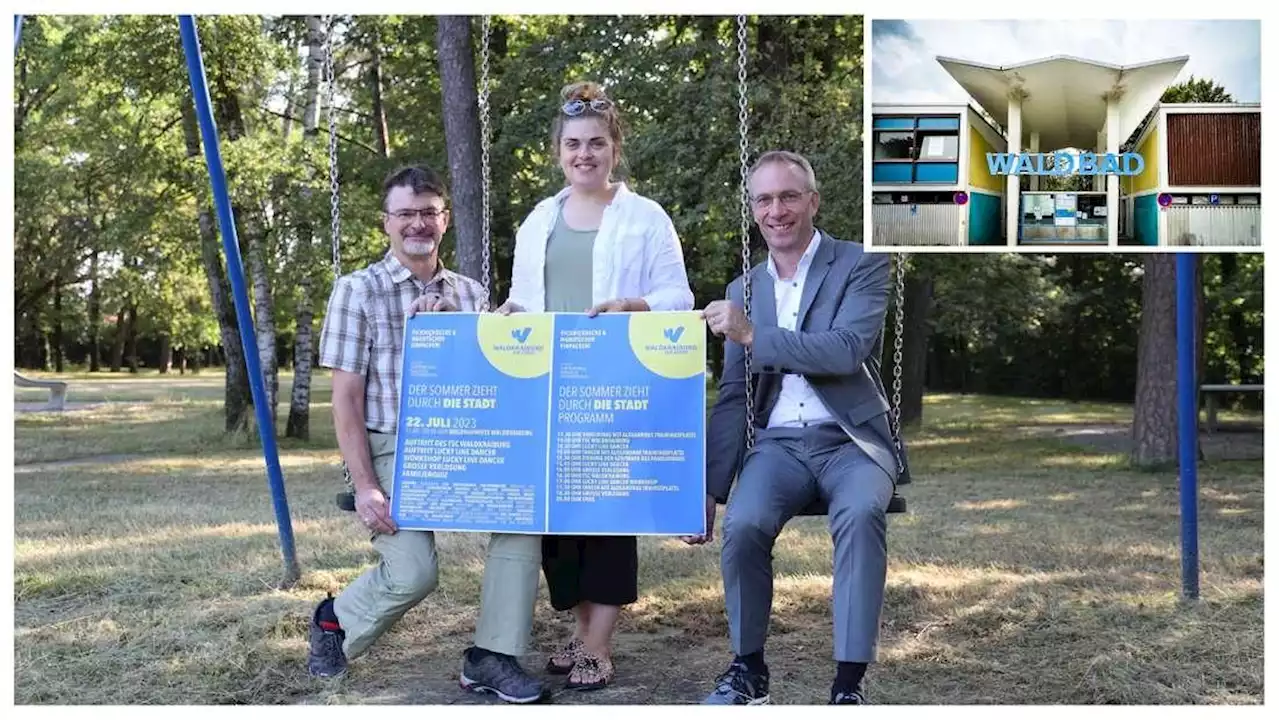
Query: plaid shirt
[(363, 329)]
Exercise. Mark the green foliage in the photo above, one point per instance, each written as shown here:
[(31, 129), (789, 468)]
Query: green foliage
[(102, 168), (1067, 325), (1202, 90)]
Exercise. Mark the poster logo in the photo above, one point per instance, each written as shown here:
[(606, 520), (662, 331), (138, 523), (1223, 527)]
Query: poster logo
[(513, 344), (669, 344)]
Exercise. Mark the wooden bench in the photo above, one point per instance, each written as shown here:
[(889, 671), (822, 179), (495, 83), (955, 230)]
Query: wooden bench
[(57, 389), (1211, 393)]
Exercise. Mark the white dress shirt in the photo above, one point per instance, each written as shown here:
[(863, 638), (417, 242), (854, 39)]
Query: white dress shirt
[(798, 405)]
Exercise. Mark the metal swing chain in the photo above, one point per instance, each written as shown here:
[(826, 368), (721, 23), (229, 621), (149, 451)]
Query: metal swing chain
[(484, 154), (899, 273), (335, 211), (744, 225)]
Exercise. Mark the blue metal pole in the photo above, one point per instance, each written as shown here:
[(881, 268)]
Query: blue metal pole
[(235, 270), (17, 30), (1188, 426)]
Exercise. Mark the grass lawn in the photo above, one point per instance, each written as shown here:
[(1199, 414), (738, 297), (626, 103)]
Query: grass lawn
[(1032, 567)]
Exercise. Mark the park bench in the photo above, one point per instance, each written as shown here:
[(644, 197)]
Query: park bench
[(57, 389), (1211, 393)]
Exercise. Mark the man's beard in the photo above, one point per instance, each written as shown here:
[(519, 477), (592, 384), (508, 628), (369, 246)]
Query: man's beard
[(419, 246)]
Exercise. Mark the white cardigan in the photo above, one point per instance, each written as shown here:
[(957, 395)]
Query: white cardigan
[(637, 254)]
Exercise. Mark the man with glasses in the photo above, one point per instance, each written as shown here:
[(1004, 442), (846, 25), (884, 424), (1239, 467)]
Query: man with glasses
[(362, 341), (822, 436)]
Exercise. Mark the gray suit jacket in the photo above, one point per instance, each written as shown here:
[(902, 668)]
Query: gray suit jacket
[(836, 348)]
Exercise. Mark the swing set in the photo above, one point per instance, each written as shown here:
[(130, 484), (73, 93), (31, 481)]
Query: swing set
[(226, 222)]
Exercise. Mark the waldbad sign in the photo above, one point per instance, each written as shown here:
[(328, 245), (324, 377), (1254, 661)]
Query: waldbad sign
[(1064, 163)]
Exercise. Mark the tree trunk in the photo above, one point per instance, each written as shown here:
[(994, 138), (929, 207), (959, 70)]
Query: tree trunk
[(132, 347), (1155, 409), (1236, 329), (252, 234), (263, 314), (503, 223), (95, 316), (25, 349), (1074, 383), (917, 309), (299, 423), (57, 327), (253, 239), (117, 344), (286, 123), (131, 340), (166, 354), (315, 62), (375, 89), (238, 397), (462, 138)]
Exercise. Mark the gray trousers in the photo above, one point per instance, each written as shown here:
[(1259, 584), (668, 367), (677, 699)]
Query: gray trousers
[(785, 471)]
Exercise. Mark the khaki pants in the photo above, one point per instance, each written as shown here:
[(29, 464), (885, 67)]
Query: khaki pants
[(409, 571)]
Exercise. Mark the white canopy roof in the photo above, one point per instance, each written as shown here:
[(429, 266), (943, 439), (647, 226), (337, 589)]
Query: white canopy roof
[(1065, 98)]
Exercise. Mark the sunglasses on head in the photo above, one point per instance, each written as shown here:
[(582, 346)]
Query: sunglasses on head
[(573, 108)]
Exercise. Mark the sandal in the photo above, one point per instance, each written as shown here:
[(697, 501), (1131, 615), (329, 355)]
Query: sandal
[(594, 673), (563, 660)]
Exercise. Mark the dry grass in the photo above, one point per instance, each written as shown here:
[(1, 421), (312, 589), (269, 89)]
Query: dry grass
[(1028, 571)]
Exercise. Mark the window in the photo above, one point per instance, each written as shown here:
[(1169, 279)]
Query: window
[(893, 146), (912, 149), (936, 146)]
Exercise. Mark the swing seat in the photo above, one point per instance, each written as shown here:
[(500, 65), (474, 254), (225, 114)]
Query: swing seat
[(346, 501), (897, 504), (818, 508)]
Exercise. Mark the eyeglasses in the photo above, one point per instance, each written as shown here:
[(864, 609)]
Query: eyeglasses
[(429, 214), (574, 108), (790, 199)]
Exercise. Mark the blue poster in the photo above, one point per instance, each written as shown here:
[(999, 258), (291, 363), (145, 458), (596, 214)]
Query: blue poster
[(552, 424)]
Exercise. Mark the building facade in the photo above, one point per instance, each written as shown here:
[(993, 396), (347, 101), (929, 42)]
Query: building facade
[(1202, 185), (935, 179)]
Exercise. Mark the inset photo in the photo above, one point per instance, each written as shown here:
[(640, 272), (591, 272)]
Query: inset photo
[(1064, 135)]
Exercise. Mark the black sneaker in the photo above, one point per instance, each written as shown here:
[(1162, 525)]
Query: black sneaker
[(485, 671), (326, 658), (846, 697), (739, 686)]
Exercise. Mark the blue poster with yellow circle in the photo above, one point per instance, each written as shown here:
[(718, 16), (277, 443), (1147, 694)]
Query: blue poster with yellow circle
[(552, 423)]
